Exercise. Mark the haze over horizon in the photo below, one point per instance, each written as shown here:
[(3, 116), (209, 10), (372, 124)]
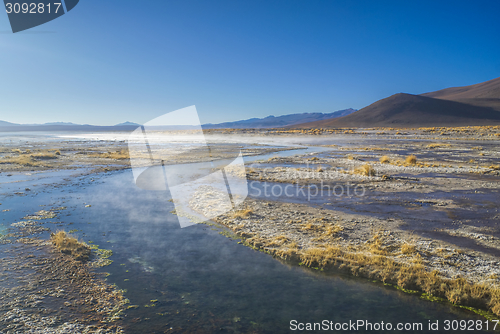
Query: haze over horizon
[(105, 63)]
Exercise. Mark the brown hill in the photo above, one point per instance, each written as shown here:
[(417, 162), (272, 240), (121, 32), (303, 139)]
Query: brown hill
[(407, 110), (484, 94)]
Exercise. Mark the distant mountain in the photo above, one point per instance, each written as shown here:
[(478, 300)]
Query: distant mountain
[(3, 123), (279, 121), (477, 104), (58, 123), (127, 124), (64, 126), (407, 110), (484, 94)]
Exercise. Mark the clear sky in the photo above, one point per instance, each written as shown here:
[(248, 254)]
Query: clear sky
[(110, 61)]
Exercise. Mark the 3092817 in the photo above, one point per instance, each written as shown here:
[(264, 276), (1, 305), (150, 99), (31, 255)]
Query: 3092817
[(33, 8)]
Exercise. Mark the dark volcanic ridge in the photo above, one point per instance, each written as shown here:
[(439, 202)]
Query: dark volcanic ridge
[(458, 106), (484, 94)]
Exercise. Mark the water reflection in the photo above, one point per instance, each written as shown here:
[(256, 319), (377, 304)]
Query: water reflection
[(196, 280)]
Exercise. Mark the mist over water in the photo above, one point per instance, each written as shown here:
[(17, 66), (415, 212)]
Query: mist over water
[(201, 278)]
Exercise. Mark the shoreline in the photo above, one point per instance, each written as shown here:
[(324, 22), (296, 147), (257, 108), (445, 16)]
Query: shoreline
[(354, 246)]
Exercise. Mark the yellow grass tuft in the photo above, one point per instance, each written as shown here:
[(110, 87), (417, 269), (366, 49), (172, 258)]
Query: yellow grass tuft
[(333, 230), (69, 245), (365, 170), (411, 159), (310, 227), (27, 158), (385, 159), (244, 213), (408, 249), (278, 241), (436, 145)]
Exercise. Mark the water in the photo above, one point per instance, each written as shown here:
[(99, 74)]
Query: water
[(195, 280)]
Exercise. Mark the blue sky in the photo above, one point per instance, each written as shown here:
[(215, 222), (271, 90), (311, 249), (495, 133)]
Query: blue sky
[(111, 61)]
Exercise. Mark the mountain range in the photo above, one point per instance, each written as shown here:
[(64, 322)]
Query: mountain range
[(267, 122), (477, 104), (3, 123), (279, 121)]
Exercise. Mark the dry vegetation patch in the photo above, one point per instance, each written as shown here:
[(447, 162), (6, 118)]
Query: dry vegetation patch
[(385, 159), (411, 160), (244, 213), (69, 245), (116, 155), (365, 170)]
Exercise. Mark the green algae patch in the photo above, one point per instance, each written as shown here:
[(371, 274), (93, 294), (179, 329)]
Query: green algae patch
[(229, 234), (102, 256), (488, 315), (408, 291), (432, 298)]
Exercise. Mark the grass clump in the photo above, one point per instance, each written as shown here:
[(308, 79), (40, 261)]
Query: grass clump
[(408, 249), (69, 245), (365, 170), (23, 160), (377, 245), (411, 159), (278, 241), (310, 227), (333, 230), (385, 159), (116, 155), (437, 145), (27, 158), (245, 213)]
